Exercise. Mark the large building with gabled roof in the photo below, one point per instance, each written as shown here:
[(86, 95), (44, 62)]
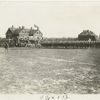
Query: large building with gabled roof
[(19, 34)]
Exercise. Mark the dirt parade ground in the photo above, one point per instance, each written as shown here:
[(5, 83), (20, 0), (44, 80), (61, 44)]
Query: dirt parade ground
[(49, 71)]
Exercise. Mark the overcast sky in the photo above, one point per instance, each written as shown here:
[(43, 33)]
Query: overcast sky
[(55, 19)]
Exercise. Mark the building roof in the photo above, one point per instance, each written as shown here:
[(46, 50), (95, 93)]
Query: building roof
[(16, 31), (87, 32), (12, 29), (32, 32)]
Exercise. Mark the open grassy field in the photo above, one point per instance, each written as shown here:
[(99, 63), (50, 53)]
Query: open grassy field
[(32, 71)]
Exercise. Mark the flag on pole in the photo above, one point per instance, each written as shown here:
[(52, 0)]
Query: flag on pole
[(36, 26)]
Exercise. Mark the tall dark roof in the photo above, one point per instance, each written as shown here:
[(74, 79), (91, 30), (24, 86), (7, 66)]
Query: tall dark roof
[(12, 29)]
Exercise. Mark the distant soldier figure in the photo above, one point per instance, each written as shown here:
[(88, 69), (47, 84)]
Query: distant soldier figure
[(6, 46)]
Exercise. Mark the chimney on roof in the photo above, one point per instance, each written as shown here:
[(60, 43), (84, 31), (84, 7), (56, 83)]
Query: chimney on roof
[(31, 28), (12, 26), (19, 27), (23, 27)]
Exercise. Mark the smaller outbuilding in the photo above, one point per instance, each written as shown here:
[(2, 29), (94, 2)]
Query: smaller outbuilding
[(87, 35)]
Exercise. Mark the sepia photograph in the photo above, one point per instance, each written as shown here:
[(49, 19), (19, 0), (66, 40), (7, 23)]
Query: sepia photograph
[(50, 49)]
